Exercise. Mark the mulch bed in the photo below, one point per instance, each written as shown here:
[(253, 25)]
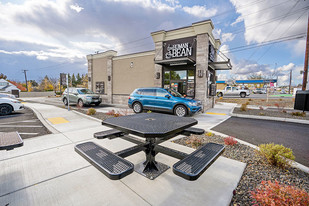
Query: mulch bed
[(257, 169), (271, 113), (98, 115), (272, 102)]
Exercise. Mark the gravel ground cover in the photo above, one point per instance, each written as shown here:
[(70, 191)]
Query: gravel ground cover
[(256, 169), (98, 115), (271, 113)]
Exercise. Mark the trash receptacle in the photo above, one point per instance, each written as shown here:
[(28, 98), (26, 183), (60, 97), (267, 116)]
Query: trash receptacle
[(302, 100)]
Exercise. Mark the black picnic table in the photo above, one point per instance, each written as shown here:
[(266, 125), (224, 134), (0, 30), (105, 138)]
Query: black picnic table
[(155, 128)]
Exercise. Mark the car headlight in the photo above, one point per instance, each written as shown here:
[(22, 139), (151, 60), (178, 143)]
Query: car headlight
[(193, 104), (89, 98), (15, 101)]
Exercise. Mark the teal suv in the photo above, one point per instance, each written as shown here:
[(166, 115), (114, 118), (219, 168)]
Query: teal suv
[(165, 100)]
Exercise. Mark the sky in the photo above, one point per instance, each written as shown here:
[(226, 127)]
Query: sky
[(49, 37)]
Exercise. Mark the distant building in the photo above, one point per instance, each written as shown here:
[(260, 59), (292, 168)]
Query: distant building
[(7, 87), (259, 83)]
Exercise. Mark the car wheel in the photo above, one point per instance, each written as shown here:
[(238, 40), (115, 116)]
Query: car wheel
[(137, 107), (180, 111), (220, 94), (5, 109), (65, 101), (97, 104), (242, 95), (80, 103)]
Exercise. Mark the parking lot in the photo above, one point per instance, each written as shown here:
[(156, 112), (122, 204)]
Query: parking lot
[(24, 122)]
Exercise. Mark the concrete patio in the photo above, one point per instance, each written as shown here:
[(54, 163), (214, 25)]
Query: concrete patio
[(47, 171)]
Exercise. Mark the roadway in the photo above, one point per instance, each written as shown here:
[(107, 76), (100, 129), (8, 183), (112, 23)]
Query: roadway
[(254, 131)]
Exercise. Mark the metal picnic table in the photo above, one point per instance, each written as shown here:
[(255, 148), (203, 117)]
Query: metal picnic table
[(155, 128)]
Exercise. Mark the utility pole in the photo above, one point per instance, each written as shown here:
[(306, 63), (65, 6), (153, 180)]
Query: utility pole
[(290, 81), (306, 60), (25, 72)]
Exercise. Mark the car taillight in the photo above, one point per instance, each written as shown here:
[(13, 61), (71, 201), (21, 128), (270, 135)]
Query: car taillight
[(129, 97)]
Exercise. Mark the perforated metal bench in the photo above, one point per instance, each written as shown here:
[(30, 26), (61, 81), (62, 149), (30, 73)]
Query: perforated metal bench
[(193, 130), (112, 133), (111, 165), (10, 140), (194, 165)]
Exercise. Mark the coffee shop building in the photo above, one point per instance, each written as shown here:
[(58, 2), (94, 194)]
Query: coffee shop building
[(184, 59)]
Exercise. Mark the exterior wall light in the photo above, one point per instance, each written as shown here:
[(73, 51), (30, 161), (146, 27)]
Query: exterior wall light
[(200, 73), (131, 65), (109, 78), (158, 75)]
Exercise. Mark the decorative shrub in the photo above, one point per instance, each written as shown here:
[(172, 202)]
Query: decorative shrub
[(149, 111), (117, 114), (247, 103), (243, 107), (262, 114), (277, 155), (209, 134), (261, 108), (280, 99), (299, 114), (269, 193), (195, 142), (91, 111), (284, 111), (220, 98), (277, 105), (230, 141), (111, 112), (250, 99)]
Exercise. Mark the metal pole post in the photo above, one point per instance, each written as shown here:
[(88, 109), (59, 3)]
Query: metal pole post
[(306, 60), (68, 92), (25, 72), (290, 81)]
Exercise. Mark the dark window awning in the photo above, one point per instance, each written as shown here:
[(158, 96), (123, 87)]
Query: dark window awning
[(175, 62), (224, 65)]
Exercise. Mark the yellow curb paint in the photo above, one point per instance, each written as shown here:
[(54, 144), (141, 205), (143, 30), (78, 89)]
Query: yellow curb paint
[(58, 120), (24, 102), (215, 113)]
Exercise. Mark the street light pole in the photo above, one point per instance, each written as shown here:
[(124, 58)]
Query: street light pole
[(306, 60)]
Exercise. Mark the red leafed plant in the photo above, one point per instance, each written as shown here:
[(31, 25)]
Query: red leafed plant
[(269, 193), (230, 141), (111, 112)]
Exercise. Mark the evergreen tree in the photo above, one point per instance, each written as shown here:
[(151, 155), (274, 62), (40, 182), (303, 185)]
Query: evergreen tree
[(73, 80), (78, 79)]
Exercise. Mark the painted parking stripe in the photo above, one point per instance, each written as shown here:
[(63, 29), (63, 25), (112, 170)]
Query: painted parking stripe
[(28, 133), (20, 121), (58, 120), (20, 126), (214, 113)]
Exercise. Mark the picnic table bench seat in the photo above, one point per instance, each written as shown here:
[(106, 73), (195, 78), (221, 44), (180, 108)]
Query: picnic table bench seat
[(10, 140), (110, 164), (193, 130), (111, 133), (195, 164)]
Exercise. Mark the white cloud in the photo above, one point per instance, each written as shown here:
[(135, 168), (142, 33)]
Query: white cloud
[(263, 13), (238, 20), (299, 47), (200, 11), (222, 77), (285, 68), (76, 8), (226, 37), (154, 4), (216, 32)]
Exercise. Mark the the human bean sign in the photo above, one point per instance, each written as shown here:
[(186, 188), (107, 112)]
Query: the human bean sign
[(179, 48)]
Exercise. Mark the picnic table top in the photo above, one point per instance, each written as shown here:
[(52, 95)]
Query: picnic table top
[(150, 125)]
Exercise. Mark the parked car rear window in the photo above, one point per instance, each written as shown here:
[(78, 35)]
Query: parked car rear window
[(84, 91), (148, 92)]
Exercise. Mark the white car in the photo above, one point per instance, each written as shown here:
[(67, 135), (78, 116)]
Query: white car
[(7, 95), (9, 105)]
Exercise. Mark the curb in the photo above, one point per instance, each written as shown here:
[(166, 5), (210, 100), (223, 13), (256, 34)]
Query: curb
[(281, 119), (44, 122), (294, 164)]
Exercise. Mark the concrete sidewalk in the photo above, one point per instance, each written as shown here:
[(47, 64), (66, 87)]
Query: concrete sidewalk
[(47, 171)]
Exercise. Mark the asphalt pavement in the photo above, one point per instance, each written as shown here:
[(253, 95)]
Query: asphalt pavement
[(25, 122), (254, 131)]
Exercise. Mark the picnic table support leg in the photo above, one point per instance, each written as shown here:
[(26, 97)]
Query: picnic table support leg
[(150, 168)]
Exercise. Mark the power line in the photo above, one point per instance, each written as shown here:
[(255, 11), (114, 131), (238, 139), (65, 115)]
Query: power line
[(276, 27), (281, 35), (25, 72)]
